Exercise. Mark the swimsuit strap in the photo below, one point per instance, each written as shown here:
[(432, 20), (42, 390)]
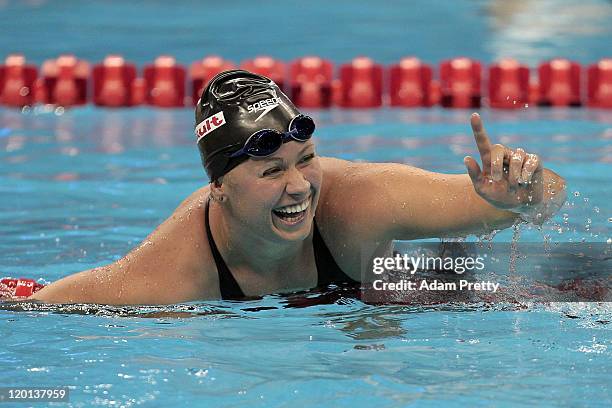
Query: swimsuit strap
[(328, 270), (227, 283)]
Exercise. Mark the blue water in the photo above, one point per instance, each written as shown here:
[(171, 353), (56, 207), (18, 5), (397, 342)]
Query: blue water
[(530, 30), (79, 188)]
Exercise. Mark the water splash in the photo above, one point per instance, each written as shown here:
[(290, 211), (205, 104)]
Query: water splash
[(514, 252), (486, 239)]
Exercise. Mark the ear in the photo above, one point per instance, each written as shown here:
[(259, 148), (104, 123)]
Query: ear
[(217, 191)]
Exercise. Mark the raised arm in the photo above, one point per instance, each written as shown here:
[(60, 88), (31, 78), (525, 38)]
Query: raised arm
[(393, 201), (513, 179)]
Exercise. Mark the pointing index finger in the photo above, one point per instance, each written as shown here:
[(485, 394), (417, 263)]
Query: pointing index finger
[(482, 140)]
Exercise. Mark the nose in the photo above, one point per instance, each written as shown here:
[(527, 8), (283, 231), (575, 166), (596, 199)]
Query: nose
[(297, 185)]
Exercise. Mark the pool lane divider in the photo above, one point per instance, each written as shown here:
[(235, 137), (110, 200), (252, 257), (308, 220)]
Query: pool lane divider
[(312, 82), (12, 289)]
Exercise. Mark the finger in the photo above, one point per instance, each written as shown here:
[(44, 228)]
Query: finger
[(482, 140), (473, 169), (530, 166), (498, 152), (517, 157)]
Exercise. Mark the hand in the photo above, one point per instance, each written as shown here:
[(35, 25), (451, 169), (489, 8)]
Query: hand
[(511, 179)]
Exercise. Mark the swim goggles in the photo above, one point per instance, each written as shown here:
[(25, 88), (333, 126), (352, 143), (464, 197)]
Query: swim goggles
[(266, 141)]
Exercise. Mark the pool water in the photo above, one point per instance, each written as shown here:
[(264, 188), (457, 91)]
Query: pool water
[(81, 187)]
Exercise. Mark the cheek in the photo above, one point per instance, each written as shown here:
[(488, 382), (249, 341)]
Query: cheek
[(266, 193)]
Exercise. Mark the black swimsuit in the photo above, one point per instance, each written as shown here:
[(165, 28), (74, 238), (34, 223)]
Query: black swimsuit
[(328, 270)]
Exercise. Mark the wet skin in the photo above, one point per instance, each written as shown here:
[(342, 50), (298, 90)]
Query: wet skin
[(355, 203)]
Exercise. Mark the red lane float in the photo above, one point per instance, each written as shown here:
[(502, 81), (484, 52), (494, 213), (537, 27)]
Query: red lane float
[(203, 71), (599, 86), (63, 81), (559, 83), (410, 83), (139, 91), (113, 82), (311, 81), (269, 67), (165, 83), (460, 82), (17, 81), (360, 84), (18, 288), (508, 84)]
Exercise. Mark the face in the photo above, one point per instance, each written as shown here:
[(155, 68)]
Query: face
[(276, 196)]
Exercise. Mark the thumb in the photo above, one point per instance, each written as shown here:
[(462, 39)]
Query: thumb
[(473, 169)]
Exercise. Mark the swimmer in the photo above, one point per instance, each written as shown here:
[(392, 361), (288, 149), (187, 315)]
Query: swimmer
[(277, 218)]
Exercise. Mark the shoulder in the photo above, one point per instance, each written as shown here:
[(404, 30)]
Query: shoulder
[(182, 254), (342, 178), (353, 192), (346, 214), (334, 168)]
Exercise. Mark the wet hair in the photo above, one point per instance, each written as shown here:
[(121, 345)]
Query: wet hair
[(234, 105)]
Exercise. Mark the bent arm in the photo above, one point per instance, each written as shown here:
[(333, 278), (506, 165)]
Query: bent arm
[(382, 201), (165, 268), (444, 205)]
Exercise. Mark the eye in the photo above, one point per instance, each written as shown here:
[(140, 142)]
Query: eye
[(307, 158), (272, 171)]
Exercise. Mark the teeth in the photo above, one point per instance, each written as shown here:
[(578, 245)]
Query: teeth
[(290, 209)]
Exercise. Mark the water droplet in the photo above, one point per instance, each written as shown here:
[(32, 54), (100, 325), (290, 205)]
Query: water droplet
[(596, 209), (201, 373), (526, 105), (609, 241), (576, 193)]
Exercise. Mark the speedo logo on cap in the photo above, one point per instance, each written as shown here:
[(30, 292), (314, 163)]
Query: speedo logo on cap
[(209, 124), (266, 106)]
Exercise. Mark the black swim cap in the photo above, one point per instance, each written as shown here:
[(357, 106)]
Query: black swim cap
[(234, 105)]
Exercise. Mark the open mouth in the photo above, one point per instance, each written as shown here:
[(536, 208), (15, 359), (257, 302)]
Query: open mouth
[(293, 214)]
